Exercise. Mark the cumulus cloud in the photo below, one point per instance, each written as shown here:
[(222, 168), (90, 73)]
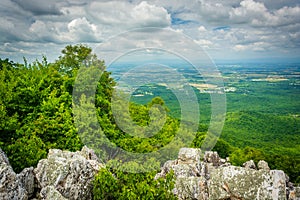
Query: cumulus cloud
[(221, 27), (202, 29), (44, 31), (127, 15), (256, 14), (83, 30)]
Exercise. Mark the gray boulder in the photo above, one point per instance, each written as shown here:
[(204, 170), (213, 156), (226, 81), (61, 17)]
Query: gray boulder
[(69, 173), (212, 157), (244, 183), (189, 156), (214, 178), (294, 193), (191, 188), (263, 165), (15, 186), (50, 193), (27, 180), (249, 164), (63, 175)]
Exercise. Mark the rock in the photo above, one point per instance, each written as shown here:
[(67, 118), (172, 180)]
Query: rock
[(50, 193), (191, 188), (189, 156), (69, 173), (63, 175), (294, 194), (13, 186), (3, 158), (215, 178), (223, 161), (212, 157), (89, 154), (249, 164), (27, 180), (167, 167), (184, 170), (245, 183), (263, 165)]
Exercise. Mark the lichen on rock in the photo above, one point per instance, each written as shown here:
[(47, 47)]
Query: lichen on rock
[(213, 178), (63, 175), (15, 186), (70, 173)]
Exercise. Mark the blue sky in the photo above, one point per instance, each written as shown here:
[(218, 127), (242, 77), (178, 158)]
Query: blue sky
[(227, 30)]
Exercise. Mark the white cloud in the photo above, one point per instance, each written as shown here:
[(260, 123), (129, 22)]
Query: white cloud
[(218, 26), (81, 29), (204, 43), (147, 15), (239, 47), (257, 46), (257, 15), (128, 16), (202, 29)]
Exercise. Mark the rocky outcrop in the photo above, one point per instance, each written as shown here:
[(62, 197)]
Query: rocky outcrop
[(263, 165), (249, 164), (68, 175), (50, 192), (15, 186), (214, 178), (63, 175)]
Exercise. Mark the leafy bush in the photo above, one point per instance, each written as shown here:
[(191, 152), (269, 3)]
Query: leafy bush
[(112, 185)]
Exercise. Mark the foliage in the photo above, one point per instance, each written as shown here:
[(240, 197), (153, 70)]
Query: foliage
[(239, 156), (36, 105), (37, 113), (120, 185)]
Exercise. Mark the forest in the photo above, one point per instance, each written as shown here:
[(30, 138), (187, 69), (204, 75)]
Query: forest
[(36, 114)]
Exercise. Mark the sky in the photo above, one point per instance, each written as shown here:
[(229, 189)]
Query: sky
[(226, 30)]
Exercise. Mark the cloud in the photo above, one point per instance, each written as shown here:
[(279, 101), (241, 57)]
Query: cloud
[(205, 43), (257, 46), (223, 28), (81, 29), (275, 5), (128, 16), (37, 7), (202, 29), (44, 31), (256, 14)]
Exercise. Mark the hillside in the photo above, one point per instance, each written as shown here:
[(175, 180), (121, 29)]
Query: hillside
[(39, 112)]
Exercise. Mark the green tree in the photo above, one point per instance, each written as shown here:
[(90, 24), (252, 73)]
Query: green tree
[(239, 156), (120, 185)]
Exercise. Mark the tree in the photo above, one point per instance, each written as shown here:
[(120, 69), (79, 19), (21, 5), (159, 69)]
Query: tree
[(223, 148), (110, 185), (36, 104), (239, 156)]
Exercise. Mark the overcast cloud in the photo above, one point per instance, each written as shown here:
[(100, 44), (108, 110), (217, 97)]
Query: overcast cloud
[(225, 29)]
